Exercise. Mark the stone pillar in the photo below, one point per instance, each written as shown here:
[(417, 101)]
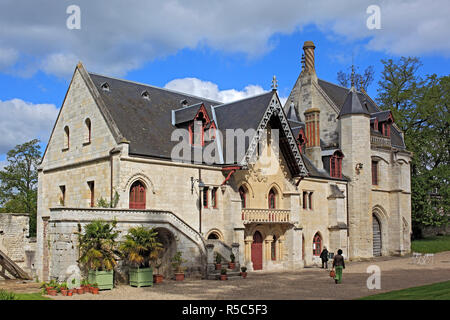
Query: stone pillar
[(248, 253), (45, 251), (235, 251), (239, 237), (267, 257), (280, 249), (210, 258)]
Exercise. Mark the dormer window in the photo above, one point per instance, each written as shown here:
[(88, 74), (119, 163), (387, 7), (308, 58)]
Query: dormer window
[(145, 95), (105, 86), (197, 128), (336, 164)]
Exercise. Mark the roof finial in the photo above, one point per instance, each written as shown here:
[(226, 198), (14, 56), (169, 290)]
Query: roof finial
[(353, 76), (274, 83)]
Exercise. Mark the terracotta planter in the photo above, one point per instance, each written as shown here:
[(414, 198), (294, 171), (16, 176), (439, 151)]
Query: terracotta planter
[(244, 274), (49, 288), (158, 278), (231, 265), (69, 293), (223, 277), (94, 290), (52, 292), (80, 291), (64, 292), (179, 276), (218, 266)]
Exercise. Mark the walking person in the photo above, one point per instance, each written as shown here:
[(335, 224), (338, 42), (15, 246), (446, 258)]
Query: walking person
[(339, 265), (324, 257)]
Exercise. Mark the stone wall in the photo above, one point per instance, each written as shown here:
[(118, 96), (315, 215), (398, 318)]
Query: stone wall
[(15, 241)]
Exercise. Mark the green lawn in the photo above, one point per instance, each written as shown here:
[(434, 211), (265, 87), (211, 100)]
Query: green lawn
[(431, 245), (6, 295), (436, 291)]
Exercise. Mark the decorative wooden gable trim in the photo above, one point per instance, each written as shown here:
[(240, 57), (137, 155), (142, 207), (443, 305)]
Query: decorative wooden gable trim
[(275, 108)]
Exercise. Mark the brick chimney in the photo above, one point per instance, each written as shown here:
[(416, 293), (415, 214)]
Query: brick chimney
[(313, 150), (308, 48)]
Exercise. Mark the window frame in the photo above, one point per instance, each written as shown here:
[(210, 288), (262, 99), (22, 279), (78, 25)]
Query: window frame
[(91, 185), (205, 197), (272, 196), (317, 251), (375, 177)]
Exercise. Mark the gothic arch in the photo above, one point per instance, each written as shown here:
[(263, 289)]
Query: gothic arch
[(277, 189), (247, 186), (143, 178), (382, 216), (216, 232)]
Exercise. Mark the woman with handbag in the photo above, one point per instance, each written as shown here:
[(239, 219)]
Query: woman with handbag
[(339, 265)]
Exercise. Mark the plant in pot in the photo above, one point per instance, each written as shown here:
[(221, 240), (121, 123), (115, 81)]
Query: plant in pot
[(94, 288), (98, 252), (64, 289), (139, 248), (232, 264), (158, 277), (218, 261), (85, 285), (177, 261), (223, 274), (244, 272)]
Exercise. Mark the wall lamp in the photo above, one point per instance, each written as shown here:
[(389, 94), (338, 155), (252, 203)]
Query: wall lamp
[(201, 185)]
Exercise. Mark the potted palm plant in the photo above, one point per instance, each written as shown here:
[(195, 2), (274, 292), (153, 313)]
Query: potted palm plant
[(232, 264), (98, 252), (218, 261), (223, 274), (139, 248), (177, 261)]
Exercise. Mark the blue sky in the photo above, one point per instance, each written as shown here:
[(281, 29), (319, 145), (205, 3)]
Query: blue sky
[(222, 50)]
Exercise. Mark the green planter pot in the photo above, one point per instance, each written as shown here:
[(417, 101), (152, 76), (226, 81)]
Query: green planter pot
[(104, 279), (141, 277)]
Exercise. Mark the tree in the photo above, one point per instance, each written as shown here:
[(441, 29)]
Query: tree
[(420, 109), (362, 81), (18, 181)]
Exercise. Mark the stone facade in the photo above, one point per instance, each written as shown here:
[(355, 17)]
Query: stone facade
[(274, 226)]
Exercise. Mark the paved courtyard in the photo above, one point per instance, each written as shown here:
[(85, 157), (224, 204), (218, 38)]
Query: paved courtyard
[(310, 283)]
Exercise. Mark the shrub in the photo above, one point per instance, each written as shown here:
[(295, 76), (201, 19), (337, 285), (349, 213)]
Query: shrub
[(141, 246), (5, 295)]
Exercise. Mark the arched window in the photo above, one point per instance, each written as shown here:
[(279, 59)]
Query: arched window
[(66, 137), (317, 245), (272, 199), (273, 248), (243, 195), (213, 236), (336, 164), (137, 195), (87, 138)]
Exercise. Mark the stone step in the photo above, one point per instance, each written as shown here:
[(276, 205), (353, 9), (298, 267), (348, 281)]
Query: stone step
[(230, 276)]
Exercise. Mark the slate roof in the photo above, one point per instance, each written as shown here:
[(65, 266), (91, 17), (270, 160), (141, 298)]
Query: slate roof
[(338, 94), (146, 124), (352, 104)]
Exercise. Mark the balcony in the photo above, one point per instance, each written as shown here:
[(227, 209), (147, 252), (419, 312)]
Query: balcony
[(266, 215), (380, 141)]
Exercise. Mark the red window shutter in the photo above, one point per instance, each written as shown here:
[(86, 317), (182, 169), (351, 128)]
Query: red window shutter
[(317, 245), (374, 172)]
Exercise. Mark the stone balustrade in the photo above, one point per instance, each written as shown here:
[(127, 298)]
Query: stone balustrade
[(380, 141), (266, 215)]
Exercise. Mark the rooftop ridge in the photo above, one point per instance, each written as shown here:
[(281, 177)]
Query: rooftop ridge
[(155, 87), (243, 99)]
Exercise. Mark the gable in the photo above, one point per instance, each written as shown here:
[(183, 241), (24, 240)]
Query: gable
[(78, 106)]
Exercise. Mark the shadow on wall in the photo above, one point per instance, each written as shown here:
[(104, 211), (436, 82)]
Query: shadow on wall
[(170, 248)]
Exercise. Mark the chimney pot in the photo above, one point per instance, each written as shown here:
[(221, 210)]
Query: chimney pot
[(308, 48)]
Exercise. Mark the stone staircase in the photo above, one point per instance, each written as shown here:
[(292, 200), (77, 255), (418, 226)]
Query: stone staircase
[(232, 274)]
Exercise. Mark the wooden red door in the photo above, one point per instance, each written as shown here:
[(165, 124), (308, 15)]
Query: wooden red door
[(257, 251), (137, 196)]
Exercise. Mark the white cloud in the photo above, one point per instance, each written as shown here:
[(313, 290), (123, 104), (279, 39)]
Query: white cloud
[(207, 89), (210, 90), (119, 36), (23, 121)]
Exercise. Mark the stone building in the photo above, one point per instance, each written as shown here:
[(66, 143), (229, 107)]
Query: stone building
[(273, 185)]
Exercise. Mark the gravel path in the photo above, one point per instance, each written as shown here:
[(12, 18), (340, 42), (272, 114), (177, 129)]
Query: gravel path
[(309, 283)]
